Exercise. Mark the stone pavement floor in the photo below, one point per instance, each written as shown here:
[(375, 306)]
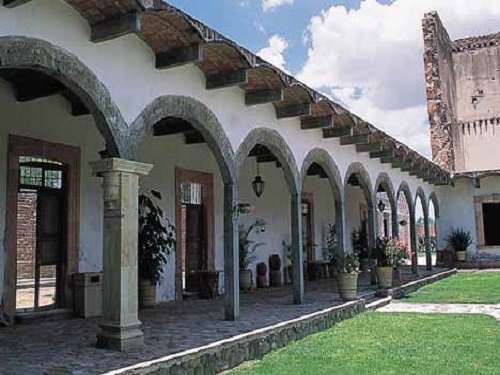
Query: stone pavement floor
[(442, 308), (68, 346)]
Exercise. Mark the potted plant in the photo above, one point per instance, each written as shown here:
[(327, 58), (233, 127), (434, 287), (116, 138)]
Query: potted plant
[(287, 250), (247, 248), (330, 251), (156, 241), (460, 240), (391, 253), (275, 265), (346, 273), (360, 249), (261, 275)]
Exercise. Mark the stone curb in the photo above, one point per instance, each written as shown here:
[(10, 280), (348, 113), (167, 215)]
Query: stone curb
[(226, 354)]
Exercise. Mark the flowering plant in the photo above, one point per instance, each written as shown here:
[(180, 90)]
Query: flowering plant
[(391, 252)]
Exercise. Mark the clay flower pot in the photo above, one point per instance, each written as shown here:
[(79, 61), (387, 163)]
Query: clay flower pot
[(245, 280), (461, 255), (384, 277), (147, 293), (348, 285)]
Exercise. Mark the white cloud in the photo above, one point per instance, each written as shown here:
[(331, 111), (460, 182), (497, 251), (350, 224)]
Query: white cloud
[(273, 53), (377, 50), (268, 5)]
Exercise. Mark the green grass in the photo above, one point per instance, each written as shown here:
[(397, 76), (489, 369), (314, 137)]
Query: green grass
[(387, 343), (461, 288)]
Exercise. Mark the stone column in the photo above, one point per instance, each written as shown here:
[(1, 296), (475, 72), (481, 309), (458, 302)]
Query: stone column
[(428, 250), (120, 327), (231, 254), (372, 238), (297, 256), (413, 239)]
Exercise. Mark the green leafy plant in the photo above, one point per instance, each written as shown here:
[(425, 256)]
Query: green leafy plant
[(347, 263), (156, 238), (391, 252), (248, 247), (358, 240), (459, 239), (331, 249)]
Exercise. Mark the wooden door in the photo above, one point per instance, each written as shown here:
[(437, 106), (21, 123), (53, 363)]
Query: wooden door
[(195, 260)]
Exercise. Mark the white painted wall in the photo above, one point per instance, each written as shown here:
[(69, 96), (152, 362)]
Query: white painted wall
[(354, 198), (49, 119), (167, 153), (457, 211)]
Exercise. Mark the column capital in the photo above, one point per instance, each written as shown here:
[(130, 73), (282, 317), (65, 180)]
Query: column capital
[(107, 165)]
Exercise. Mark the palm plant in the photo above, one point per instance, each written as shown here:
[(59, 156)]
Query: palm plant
[(459, 239), (248, 247)]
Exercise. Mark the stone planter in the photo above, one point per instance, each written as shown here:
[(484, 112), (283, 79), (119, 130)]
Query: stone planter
[(276, 278), (364, 265), (384, 277), (245, 280), (147, 293), (348, 285), (461, 254)]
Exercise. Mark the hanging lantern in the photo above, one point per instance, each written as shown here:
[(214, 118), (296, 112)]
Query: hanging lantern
[(381, 205), (258, 183)]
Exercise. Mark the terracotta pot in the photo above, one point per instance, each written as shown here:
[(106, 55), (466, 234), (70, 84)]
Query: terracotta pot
[(262, 281), (384, 277), (245, 280), (461, 254), (348, 285), (147, 293), (276, 278)]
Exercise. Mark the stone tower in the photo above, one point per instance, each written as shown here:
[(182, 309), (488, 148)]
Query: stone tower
[(463, 98)]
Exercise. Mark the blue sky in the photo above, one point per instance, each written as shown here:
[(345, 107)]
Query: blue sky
[(246, 23), (365, 54)]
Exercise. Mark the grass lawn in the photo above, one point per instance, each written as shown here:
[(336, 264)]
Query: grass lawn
[(461, 288), (388, 343)]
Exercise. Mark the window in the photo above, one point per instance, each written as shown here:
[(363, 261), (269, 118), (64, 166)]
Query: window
[(491, 219), (40, 173)]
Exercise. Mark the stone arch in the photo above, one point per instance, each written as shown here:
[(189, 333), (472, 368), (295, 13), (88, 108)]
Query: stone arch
[(18, 52), (434, 199), (360, 172), (384, 180), (278, 146), (421, 194), (404, 188), (199, 116), (324, 159)]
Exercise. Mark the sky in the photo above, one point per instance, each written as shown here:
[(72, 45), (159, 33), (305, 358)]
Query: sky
[(364, 54)]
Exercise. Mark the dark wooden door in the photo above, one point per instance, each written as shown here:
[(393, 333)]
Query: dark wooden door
[(50, 237), (195, 246)]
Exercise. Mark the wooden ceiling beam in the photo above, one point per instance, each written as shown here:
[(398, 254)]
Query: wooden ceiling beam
[(179, 56), (14, 3), (263, 97), (115, 27), (369, 147), (342, 131), (269, 158), (171, 126), (355, 139), (320, 122), (27, 91), (78, 108), (382, 154), (227, 79), (193, 138), (296, 110)]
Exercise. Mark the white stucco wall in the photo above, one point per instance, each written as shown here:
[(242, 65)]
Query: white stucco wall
[(49, 120), (354, 198), (457, 211)]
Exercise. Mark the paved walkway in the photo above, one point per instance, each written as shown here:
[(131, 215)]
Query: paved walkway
[(443, 308), (68, 346)]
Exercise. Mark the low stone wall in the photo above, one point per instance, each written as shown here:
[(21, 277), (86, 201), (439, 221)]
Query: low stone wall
[(478, 265), (226, 354), (401, 291)]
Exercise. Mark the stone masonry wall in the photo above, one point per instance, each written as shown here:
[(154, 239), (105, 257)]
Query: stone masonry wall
[(440, 85)]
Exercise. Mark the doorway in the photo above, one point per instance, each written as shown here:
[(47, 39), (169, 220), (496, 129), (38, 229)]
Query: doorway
[(195, 228), (41, 226)]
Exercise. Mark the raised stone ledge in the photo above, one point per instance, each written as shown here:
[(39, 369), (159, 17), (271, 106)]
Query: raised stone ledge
[(475, 43), (229, 353), (401, 291)]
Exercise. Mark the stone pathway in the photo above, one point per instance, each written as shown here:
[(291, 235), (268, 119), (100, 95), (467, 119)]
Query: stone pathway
[(442, 308), (68, 346)]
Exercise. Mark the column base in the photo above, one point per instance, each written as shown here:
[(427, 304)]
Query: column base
[(121, 338)]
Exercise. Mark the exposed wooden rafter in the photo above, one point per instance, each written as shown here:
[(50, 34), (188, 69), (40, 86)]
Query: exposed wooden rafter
[(193, 137), (297, 110), (171, 126), (179, 56), (316, 122), (343, 131), (14, 3), (227, 79), (263, 97), (369, 147), (355, 139), (116, 27)]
